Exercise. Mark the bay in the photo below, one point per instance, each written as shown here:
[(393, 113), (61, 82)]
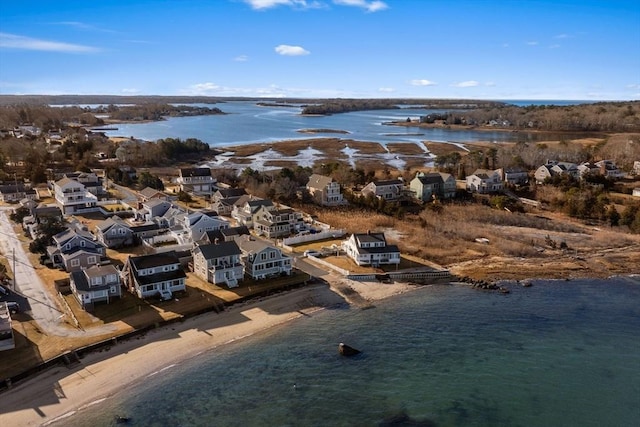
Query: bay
[(560, 353), (248, 123)]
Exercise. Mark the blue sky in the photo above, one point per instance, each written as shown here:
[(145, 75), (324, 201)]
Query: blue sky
[(560, 49)]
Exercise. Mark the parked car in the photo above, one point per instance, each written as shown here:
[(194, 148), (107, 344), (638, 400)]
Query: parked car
[(4, 291), (311, 252)]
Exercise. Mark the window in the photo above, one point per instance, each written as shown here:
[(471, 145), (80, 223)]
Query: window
[(91, 260), (96, 280), (263, 256), (112, 289), (272, 255), (75, 263)]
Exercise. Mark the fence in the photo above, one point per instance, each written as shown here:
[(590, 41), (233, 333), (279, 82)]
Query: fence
[(327, 234), (416, 275)]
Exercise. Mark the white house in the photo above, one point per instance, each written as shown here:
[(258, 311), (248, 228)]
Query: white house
[(390, 189), (99, 283), (371, 249), (219, 263), (72, 196), (272, 223), (262, 260), (199, 223), (196, 181), (485, 181)]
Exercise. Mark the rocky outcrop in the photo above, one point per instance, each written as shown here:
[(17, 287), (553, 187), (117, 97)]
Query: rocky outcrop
[(346, 350)]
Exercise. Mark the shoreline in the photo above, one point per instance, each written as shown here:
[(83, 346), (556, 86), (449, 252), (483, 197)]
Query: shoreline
[(61, 391)]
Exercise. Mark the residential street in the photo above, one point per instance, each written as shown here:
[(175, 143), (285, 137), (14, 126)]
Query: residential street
[(42, 306)]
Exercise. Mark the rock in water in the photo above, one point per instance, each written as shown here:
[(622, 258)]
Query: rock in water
[(346, 350)]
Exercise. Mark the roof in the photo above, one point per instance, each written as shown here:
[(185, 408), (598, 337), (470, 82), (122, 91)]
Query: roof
[(430, 178), (379, 250), (319, 181), (149, 192), (110, 222), (388, 182), (231, 192), (144, 227), (195, 172), (250, 244), (81, 278), (165, 276), (64, 181), (370, 237), (218, 250), (154, 260)]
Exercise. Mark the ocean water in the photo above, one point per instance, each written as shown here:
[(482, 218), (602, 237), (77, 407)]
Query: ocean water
[(247, 123), (560, 353)]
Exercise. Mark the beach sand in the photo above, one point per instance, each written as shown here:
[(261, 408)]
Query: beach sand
[(61, 391)]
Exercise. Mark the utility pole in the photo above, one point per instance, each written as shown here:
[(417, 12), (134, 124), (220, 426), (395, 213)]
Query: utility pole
[(14, 270)]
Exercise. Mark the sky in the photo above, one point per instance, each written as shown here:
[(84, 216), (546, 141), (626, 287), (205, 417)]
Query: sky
[(471, 49)]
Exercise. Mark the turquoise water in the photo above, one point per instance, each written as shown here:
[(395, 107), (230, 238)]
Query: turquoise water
[(556, 354), (250, 123)]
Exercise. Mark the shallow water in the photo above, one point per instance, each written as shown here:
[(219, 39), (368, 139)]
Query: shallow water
[(556, 354)]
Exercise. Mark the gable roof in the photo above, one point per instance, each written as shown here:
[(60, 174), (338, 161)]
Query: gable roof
[(195, 172), (213, 250), (65, 181), (225, 193), (249, 244), (319, 181), (388, 182), (105, 225), (154, 260), (430, 178), (149, 193)]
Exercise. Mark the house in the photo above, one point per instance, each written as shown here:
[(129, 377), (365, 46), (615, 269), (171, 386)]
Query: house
[(149, 193), (371, 249), (553, 168), (588, 168), (99, 283), (225, 234), (390, 189), (324, 190), (7, 341), (273, 223), (515, 176), (262, 260), (219, 263), (142, 231), (75, 248), (609, 169), (426, 186), (92, 183), (114, 232), (196, 180), (225, 206), (73, 197), (485, 181), (152, 209), (17, 192), (155, 275), (244, 213), (225, 193), (39, 215), (198, 223)]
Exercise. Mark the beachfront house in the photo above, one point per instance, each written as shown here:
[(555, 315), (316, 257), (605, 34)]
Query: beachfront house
[(98, 283), (427, 186), (219, 263), (11, 193), (156, 275), (485, 181), (553, 168), (371, 249), (225, 234), (324, 190), (152, 208), (262, 260)]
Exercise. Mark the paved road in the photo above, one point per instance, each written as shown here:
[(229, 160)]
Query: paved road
[(42, 305)]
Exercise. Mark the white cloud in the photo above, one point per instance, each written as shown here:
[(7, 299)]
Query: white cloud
[(267, 4), (633, 86), (130, 90), (13, 41), (202, 88), (288, 50), (369, 6), (554, 46), (386, 89), (83, 26), (468, 83), (241, 58), (422, 82), (490, 84), (562, 36), (532, 43)]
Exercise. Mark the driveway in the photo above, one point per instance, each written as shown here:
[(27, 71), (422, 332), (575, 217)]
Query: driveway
[(41, 305)]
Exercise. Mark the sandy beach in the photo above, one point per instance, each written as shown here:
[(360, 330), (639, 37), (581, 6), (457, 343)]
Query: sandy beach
[(62, 391)]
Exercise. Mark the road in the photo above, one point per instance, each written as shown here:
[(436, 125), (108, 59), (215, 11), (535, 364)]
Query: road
[(42, 306)]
